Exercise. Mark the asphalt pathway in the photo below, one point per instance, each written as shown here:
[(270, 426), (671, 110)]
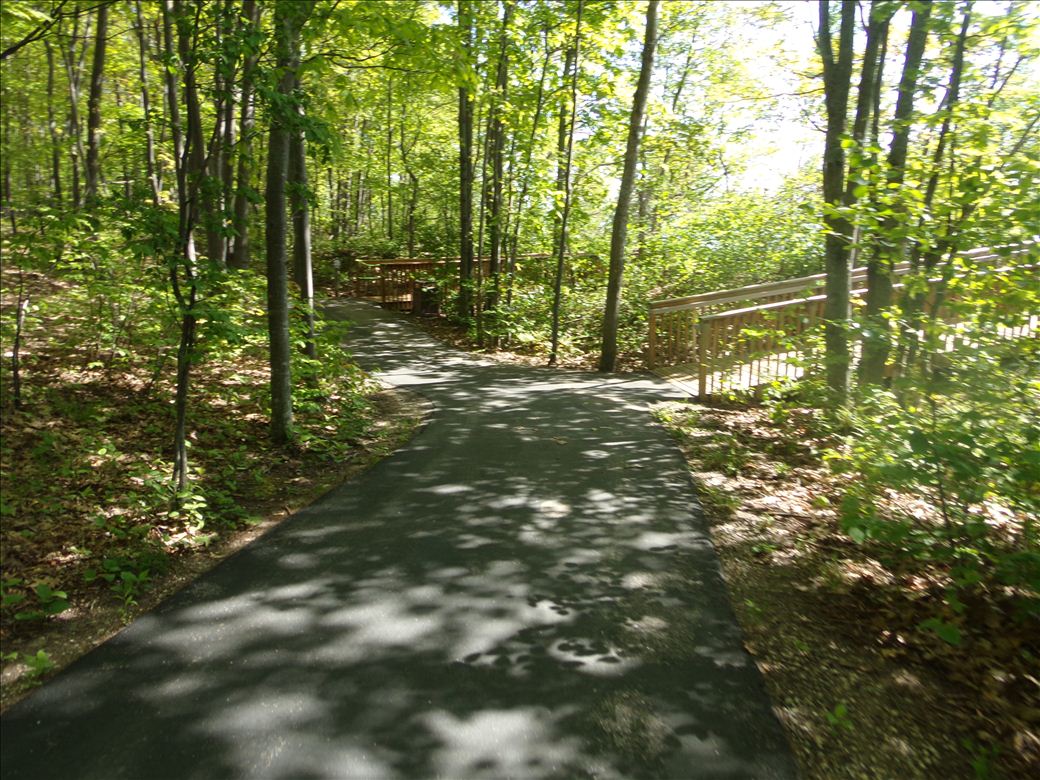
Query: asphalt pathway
[(527, 589)]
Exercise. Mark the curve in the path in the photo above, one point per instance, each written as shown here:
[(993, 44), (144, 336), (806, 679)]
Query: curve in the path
[(525, 590)]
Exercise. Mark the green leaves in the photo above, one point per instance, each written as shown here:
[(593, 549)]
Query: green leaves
[(947, 632)]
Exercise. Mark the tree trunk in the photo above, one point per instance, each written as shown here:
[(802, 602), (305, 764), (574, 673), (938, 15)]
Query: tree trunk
[(247, 114), (876, 331), (389, 154), (565, 150), (8, 194), (465, 301), (52, 127), (151, 168), (288, 20), (94, 108), (837, 77), (303, 271), (529, 153), (172, 101), (74, 70), (183, 273), (608, 354), (497, 151)]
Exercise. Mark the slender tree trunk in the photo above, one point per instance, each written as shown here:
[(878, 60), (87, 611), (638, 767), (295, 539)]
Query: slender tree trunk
[(123, 161), (303, 271), (183, 267), (565, 148), (413, 182), (529, 153), (172, 101), (247, 114), (837, 77), (608, 354), (497, 151), (288, 20), (389, 155), (227, 169), (21, 311), (52, 128), (913, 302), (8, 194), (151, 168), (465, 301), (876, 333), (94, 108), (73, 56)]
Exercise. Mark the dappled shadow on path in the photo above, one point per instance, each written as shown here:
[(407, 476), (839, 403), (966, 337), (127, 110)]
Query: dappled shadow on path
[(526, 590)]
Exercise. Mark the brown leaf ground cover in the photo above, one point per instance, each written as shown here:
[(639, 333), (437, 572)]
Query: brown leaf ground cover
[(89, 531), (835, 626)]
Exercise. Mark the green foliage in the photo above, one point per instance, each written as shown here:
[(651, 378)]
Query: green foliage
[(35, 602), (958, 441)]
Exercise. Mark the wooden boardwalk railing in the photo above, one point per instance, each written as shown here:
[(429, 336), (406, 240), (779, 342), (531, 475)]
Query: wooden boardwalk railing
[(748, 336), (400, 283)]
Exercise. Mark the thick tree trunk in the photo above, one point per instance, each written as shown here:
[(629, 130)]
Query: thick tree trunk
[(619, 233), (288, 20), (876, 331), (94, 108), (465, 300), (837, 77), (565, 152)]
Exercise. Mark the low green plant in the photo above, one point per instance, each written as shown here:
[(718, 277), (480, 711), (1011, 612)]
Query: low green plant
[(38, 601)]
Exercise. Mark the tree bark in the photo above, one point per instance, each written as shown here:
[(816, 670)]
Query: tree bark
[(183, 266), (497, 152), (619, 233), (528, 155), (287, 22), (94, 108), (52, 127), (303, 271), (151, 168), (565, 150), (837, 76), (465, 300), (247, 115)]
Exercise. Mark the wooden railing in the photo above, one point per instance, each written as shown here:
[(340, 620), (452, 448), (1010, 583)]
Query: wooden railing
[(748, 336)]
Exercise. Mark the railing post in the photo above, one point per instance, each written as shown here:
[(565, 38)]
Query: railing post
[(702, 360), (651, 356)]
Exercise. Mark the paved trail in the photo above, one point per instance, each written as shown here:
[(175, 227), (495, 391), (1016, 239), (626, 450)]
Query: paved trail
[(525, 590)]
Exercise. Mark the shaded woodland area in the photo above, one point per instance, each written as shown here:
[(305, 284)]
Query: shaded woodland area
[(186, 183)]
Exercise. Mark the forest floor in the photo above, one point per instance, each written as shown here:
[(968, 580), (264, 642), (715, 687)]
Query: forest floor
[(444, 330), (862, 691), (89, 540)]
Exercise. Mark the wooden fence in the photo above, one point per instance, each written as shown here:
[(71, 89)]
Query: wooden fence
[(748, 336)]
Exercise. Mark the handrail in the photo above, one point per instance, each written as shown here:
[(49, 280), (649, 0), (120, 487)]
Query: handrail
[(699, 331), (802, 283)]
